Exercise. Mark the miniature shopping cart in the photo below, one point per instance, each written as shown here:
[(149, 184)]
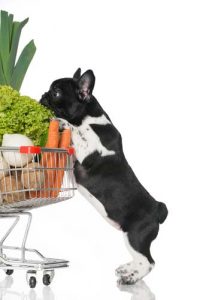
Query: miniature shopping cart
[(36, 177)]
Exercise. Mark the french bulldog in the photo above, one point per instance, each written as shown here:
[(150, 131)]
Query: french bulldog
[(103, 174)]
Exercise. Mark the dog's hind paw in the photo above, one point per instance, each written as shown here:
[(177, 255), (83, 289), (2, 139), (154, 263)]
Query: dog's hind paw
[(131, 272), (127, 273), (125, 269), (121, 271), (127, 279)]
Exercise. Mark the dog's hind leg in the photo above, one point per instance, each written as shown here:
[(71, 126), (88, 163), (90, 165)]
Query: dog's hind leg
[(138, 240)]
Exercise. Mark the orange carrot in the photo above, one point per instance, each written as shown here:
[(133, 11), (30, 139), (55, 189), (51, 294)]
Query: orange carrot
[(52, 140), (48, 160), (65, 139), (61, 162)]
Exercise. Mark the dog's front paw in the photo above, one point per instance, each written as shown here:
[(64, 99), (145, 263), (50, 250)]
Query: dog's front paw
[(63, 124)]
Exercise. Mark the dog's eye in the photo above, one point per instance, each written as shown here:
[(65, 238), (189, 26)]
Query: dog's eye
[(57, 92)]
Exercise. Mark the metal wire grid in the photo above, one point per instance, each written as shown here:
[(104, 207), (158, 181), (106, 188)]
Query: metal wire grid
[(34, 180)]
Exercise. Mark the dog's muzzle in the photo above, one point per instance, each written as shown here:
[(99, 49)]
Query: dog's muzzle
[(45, 100)]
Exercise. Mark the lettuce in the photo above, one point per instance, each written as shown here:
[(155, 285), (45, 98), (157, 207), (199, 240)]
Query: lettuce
[(21, 114)]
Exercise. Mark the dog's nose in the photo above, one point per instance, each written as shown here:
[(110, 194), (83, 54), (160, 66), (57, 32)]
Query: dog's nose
[(44, 99), (45, 95)]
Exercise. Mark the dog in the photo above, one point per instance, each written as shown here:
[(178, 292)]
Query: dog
[(103, 174)]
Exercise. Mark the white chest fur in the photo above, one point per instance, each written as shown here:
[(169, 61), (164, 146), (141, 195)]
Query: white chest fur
[(85, 140)]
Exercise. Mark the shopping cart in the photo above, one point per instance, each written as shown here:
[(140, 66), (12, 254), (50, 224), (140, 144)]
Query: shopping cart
[(33, 180)]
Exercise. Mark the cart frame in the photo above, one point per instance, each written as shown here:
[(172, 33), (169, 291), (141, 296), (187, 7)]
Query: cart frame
[(18, 209)]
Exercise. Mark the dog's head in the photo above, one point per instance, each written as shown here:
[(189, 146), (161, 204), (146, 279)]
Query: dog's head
[(69, 97)]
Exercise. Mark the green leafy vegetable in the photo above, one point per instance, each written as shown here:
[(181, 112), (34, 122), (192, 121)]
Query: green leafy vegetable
[(21, 114), (11, 72)]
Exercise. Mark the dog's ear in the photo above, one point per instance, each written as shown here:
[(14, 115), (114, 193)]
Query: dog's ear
[(86, 85), (77, 74)]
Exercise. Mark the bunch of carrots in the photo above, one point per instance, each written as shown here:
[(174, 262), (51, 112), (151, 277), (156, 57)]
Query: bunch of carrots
[(54, 164)]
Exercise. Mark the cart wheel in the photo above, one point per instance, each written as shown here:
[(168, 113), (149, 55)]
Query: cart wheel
[(9, 272), (32, 282), (46, 279)]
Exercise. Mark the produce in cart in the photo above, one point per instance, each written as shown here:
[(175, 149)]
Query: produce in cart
[(49, 159), (29, 174), (25, 122), (12, 189), (64, 143), (32, 176), (23, 115)]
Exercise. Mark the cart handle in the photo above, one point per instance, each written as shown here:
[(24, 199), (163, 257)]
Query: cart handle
[(30, 150), (38, 150)]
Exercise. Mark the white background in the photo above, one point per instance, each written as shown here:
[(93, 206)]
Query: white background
[(146, 58)]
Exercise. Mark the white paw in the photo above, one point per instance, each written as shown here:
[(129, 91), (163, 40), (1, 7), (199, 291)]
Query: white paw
[(128, 273), (123, 269), (63, 124), (131, 272)]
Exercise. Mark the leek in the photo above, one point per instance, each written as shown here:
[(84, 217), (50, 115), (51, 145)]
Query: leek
[(12, 72)]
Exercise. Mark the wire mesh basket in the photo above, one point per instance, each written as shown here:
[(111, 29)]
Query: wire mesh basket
[(32, 177)]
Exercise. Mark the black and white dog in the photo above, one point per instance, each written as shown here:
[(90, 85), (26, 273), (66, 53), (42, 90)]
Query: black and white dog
[(102, 173)]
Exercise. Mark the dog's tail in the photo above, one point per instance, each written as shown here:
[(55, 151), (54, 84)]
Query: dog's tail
[(162, 212)]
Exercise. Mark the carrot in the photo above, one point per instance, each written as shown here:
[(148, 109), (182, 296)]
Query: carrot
[(65, 139), (61, 162), (48, 160), (52, 140)]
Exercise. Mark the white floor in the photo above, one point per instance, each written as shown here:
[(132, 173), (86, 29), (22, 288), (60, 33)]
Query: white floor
[(95, 249), (146, 58)]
